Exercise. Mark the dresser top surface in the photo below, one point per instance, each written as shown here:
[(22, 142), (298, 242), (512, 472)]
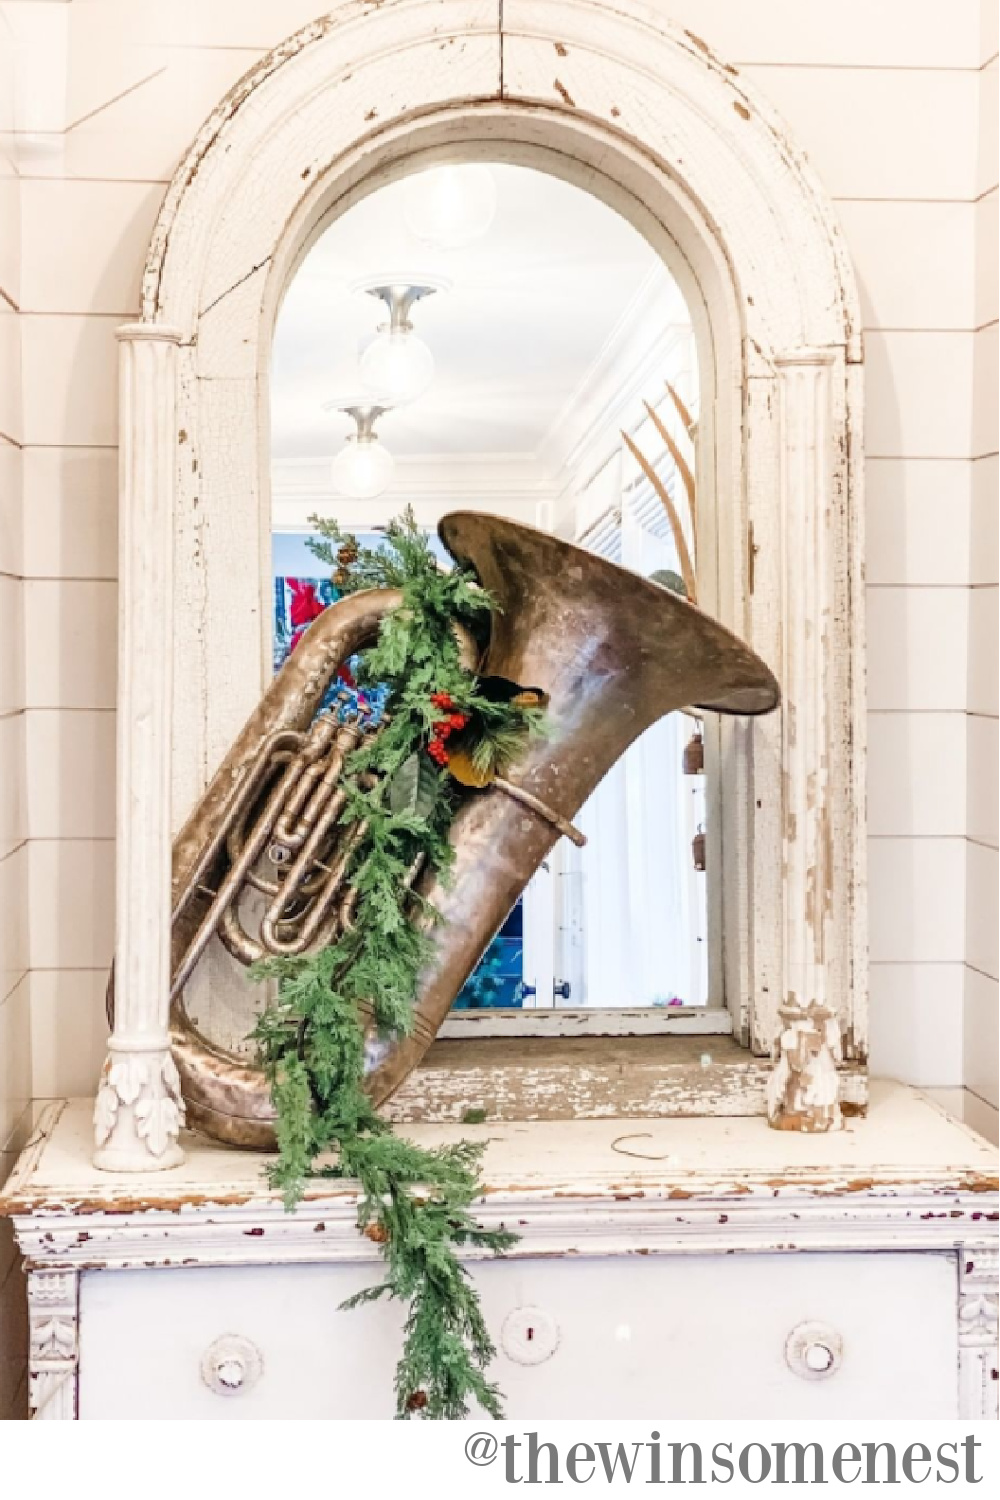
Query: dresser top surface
[(906, 1142)]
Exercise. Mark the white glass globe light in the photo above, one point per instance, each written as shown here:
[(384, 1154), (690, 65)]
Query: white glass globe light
[(397, 367), (449, 207), (362, 468)]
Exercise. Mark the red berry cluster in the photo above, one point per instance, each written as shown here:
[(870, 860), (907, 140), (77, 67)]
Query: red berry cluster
[(441, 729)]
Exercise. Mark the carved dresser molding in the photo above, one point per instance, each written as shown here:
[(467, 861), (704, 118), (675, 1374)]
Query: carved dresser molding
[(190, 1292)]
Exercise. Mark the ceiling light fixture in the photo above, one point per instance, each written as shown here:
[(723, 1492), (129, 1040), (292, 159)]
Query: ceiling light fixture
[(449, 207), (363, 468), (397, 366)]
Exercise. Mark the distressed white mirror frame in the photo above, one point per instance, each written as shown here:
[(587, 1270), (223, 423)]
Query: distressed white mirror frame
[(610, 95)]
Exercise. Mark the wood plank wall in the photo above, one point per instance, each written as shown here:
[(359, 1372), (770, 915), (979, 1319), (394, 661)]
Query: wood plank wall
[(15, 1054)]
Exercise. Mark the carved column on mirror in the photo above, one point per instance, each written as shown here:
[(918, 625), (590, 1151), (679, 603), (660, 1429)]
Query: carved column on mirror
[(978, 1356), (53, 1345), (804, 1088), (139, 1112)]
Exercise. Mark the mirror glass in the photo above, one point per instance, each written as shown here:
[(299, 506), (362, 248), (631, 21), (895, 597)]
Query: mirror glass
[(526, 353)]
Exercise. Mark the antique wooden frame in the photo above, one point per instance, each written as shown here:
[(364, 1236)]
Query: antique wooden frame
[(609, 94)]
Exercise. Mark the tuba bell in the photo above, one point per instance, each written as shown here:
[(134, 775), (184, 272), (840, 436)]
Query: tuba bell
[(613, 651)]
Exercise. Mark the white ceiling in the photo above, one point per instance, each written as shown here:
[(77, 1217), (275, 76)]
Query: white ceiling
[(535, 309)]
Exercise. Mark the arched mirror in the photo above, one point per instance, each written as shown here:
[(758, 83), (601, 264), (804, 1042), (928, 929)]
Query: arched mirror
[(484, 335), (649, 124)]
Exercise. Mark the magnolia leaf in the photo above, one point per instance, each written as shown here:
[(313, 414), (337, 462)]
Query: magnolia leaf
[(414, 788), (485, 749), (463, 767), (668, 579)]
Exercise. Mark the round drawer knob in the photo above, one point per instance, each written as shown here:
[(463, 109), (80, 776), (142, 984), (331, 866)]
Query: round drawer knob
[(814, 1351), (529, 1336), (231, 1365)]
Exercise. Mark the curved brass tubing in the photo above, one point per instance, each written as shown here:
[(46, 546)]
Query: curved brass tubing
[(614, 652)]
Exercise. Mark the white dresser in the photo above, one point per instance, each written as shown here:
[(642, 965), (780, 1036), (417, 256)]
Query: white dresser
[(666, 1269)]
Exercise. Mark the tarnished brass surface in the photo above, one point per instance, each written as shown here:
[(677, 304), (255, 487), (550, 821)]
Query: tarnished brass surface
[(288, 803), (614, 652), (226, 1097)]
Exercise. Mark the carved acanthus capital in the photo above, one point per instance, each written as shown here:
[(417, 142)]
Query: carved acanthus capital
[(139, 1112)]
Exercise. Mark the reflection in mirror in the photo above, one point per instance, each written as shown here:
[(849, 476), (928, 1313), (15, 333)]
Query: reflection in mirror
[(491, 337)]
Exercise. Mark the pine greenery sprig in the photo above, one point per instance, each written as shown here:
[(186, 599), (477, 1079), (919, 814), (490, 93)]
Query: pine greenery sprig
[(416, 1203)]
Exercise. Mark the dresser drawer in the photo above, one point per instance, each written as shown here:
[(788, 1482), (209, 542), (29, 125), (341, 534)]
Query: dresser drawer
[(657, 1337)]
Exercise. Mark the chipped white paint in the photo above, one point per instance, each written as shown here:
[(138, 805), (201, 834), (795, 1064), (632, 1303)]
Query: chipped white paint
[(569, 1021), (803, 1091), (618, 100), (602, 1078), (805, 407), (907, 1181)]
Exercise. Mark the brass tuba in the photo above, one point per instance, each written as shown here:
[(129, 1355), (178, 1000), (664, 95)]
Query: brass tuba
[(614, 651)]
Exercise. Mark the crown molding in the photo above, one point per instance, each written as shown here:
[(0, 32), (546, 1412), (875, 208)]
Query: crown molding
[(654, 327)]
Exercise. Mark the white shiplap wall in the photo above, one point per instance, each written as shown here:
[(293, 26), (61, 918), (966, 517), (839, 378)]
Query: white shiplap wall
[(885, 97), (981, 999), (15, 1035)]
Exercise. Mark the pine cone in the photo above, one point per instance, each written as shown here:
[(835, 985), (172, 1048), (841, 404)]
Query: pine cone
[(417, 1401), (377, 1232)]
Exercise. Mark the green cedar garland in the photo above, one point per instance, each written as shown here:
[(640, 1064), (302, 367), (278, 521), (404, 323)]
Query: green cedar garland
[(416, 1204)]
